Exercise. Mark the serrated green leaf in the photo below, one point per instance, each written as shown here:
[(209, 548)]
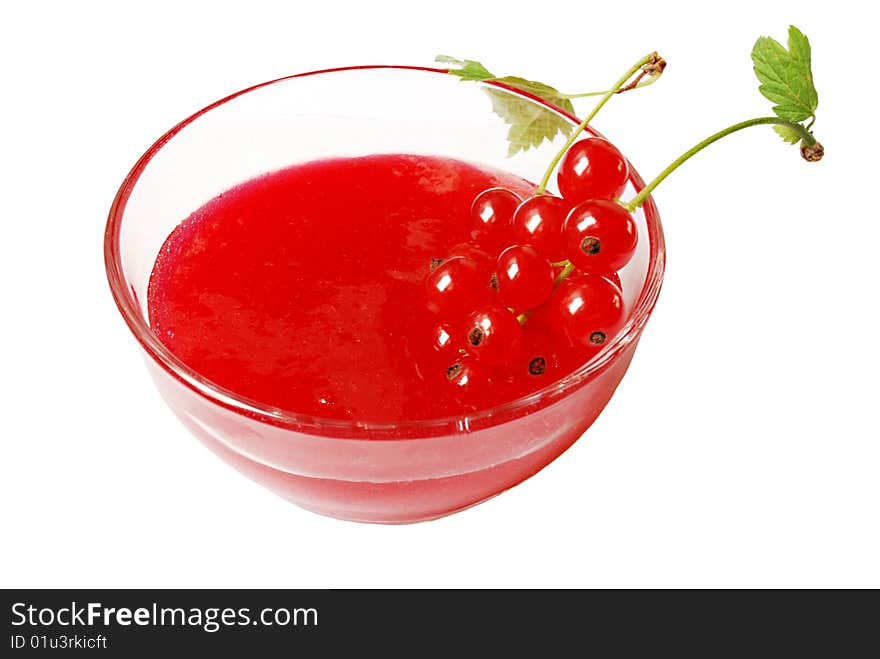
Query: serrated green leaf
[(539, 89), (799, 46), (530, 123), (785, 76), (787, 133)]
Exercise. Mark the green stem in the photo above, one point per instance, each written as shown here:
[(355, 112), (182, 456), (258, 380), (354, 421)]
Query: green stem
[(647, 59), (640, 198), (567, 268), (643, 83), (566, 271), (525, 86)]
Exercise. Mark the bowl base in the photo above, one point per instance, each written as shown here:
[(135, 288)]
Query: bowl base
[(399, 502)]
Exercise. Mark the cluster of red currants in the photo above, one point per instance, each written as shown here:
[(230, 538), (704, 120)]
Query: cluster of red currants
[(544, 266)]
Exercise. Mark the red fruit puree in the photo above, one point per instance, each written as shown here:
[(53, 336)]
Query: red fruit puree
[(303, 289)]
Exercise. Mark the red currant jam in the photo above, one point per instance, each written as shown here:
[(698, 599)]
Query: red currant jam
[(304, 289)]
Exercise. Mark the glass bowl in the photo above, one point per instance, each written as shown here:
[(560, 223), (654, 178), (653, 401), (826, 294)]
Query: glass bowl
[(383, 473)]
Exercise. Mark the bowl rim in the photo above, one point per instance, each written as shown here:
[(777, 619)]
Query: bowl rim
[(349, 428)]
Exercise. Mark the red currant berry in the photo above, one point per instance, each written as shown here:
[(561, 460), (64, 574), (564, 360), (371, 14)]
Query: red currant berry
[(493, 335), (540, 363), (587, 310), (491, 213), (538, 222), (465, 375), (592, 169), (443, 339), (545, 338), (600, 235), (614, 278), (525, 278), (455, 286), (534, 367)]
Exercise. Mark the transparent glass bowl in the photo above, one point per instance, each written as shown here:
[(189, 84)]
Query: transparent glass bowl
[(386, 473)]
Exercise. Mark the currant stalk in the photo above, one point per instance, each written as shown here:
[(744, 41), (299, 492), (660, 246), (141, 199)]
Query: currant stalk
[(651, 64), (638, 83), (811, 151)]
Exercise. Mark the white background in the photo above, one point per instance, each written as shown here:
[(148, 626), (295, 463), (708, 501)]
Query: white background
[(740, 450)]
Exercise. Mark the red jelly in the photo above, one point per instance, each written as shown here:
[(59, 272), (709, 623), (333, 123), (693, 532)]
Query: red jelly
[(303, 289)]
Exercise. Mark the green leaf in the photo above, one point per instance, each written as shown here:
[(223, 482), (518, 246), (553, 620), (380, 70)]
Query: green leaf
[(539, 89), (530, 123), (799, 46), (466, 69), (785, 76), (787, 133)]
